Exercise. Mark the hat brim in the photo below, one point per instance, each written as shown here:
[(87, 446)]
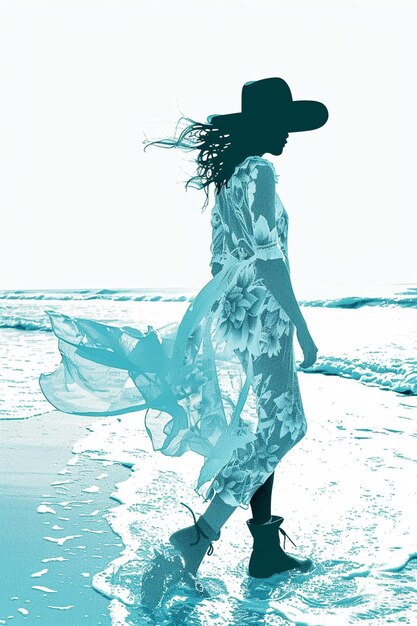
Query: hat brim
[(306, 115), (301, 115), (226, 118)]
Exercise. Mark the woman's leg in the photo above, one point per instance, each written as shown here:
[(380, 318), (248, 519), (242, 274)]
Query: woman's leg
[(261, 501), (217, 513)]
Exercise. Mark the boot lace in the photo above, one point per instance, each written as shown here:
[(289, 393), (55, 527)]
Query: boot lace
[(281, 530), (199, 532)]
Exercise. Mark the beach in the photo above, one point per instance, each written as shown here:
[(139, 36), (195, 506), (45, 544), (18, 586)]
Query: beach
[(347, 495), (93, 491)]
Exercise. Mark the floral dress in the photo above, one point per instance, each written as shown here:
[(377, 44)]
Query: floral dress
[(193, 378), (249, 222)]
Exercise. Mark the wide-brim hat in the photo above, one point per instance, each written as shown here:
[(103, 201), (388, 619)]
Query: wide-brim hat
[(270, 101)]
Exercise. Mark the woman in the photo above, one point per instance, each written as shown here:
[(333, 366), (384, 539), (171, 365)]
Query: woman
[(241, 322)]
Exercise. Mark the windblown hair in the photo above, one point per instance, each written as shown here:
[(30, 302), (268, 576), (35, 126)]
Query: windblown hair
[(220, 151)]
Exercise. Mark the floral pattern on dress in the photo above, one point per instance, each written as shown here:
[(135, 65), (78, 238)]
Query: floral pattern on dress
[(217, 239), (237, 318), (263, 235), (275, 322), (193, 379), (290, 413), (237, 187)]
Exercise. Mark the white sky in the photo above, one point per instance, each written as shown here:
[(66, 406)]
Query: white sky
[(83, 82)]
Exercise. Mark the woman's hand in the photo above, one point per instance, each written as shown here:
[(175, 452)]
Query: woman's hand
[(216, 268), (308, 346)]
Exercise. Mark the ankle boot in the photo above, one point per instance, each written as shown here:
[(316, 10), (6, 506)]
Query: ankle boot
[(267, 556), (192, 542), (167, 568)]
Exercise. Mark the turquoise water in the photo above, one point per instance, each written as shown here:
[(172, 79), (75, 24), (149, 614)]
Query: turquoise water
[(347, 494)]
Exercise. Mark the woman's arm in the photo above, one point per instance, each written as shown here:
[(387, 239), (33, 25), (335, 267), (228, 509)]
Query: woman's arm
[(275, 275), (270, 263)]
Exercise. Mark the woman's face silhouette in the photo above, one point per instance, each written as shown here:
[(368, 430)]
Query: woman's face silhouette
[(267, 136), (277, 142)]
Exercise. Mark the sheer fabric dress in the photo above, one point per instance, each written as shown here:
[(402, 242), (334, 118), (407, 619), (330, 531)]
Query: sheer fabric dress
[(192, 378)]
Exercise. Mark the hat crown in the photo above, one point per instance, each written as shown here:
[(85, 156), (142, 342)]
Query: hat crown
[(266, 96)]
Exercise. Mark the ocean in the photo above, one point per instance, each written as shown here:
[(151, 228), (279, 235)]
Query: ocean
[(368, 335)]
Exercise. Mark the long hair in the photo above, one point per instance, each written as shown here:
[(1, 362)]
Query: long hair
[(220, 150)]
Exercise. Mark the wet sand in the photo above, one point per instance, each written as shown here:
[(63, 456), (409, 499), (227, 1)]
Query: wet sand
[(51, 543)]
